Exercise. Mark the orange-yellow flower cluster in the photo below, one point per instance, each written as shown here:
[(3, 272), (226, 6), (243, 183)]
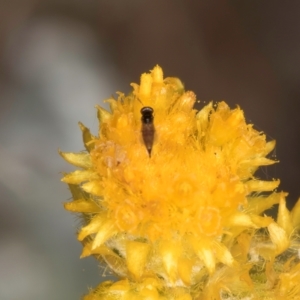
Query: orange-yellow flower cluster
[(187, 222)]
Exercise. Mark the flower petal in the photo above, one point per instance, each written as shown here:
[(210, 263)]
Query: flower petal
[(136, 257), (279, 237), (82, 205), (94, 226), (93, 187), (258, 204), (79, 176), (88, 138), (284, 219), (103, 115), (262, 186), (82, 160), (295, 215)]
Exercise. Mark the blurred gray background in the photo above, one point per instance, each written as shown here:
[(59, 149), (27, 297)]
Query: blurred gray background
[(60, 58)]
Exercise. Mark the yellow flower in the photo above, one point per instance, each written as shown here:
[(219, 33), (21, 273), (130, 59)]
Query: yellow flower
[(185, 222)]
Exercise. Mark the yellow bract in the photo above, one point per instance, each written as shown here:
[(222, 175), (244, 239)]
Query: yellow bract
[(185, 223)]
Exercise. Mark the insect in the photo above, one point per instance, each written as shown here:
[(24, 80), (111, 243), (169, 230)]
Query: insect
[(148, 129)]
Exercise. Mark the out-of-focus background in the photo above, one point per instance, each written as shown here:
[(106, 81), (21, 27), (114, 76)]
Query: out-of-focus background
[(60, 58)]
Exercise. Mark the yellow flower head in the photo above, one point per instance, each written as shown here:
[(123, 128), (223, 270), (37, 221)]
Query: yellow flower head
[(168, 195)]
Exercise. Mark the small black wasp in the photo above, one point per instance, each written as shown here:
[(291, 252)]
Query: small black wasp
[(148, 129)]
